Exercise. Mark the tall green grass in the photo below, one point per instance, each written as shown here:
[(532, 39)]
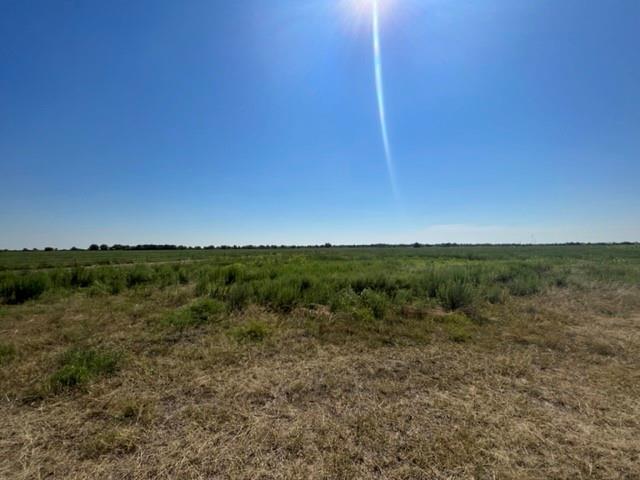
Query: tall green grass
[(374, 282)]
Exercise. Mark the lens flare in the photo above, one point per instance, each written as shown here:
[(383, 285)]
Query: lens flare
[(377, 59)]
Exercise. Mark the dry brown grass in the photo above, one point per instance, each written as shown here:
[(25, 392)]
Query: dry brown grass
[(547, 387)]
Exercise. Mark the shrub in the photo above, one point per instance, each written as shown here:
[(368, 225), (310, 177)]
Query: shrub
[(18, 289), (457, 327), (375, 301), (456, 294), (231, 274), (117, 282), (525, 285), (205, 310), (78, 366), (81, 277), (495, 294), (138, 275), (238, 296), (255, 331), (344, 300), (379, 283), (198, 313), (281, 294)]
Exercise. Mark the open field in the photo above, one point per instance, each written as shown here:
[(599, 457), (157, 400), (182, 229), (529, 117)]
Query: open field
[(390, 363)]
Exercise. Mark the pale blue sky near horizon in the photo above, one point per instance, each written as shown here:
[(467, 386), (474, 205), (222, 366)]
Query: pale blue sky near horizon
[(255, 122)]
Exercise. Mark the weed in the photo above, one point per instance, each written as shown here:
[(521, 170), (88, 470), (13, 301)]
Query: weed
[(16, 289), (238, 296), (376, 302), (455, 294), (495, 294), (77, 366), (201, 312), (253, 332), (457, 327), (522, 286)]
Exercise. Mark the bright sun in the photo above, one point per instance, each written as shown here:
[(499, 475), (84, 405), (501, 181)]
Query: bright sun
[(360, 8)]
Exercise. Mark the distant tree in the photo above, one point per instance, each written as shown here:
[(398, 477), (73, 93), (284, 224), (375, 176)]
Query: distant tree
[(94, 246), (74, 249), (48, 249), (327, 245), (104, 246)]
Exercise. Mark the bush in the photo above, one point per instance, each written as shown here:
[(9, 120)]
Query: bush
[(19, 289), (204, 311), (525, 285), (81, 277), (238, 296), (376, 302), (455, 294), (78, 366), (231, 274), (495, 294), (199, 313), (280, 294), (138, 275), (457, 327), (255, 331), (344, 300)]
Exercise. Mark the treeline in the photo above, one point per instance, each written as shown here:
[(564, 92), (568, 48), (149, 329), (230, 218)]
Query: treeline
[(150, 246)]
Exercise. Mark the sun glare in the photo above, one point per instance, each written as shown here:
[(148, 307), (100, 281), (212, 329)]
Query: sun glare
[(364, 8)]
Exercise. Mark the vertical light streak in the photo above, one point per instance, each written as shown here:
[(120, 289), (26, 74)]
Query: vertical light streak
[(377, 59)]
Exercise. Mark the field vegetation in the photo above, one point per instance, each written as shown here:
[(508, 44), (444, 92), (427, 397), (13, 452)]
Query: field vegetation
[(431, 362)]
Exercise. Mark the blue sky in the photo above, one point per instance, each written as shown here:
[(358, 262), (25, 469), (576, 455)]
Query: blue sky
[(255, 121)]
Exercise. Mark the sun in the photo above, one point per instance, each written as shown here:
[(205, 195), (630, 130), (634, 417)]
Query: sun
[(364, 8)]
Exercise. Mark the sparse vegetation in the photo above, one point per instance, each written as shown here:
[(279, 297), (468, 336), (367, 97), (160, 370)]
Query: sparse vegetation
[(77, 366), (7, 352), (417, 362), (253, 331)]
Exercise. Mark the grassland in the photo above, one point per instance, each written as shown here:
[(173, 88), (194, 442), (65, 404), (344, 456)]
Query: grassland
[(403, 363)]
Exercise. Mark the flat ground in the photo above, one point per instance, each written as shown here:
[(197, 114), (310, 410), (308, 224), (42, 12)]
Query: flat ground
[(413, 363)]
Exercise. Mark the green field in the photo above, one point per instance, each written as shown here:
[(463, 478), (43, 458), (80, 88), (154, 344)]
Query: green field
[(390, 362)]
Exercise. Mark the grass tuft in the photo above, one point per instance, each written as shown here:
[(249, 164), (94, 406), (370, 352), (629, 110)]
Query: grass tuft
[(255, 331), (199, 313), (78, 366), (456, 294), (457, 327), (16, 289)]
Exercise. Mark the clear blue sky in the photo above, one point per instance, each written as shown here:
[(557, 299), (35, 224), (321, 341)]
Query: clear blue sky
[(255, 121)]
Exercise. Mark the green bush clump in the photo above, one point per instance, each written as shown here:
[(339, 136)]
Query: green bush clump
[(495, 294), (199, 313), (522, 286), (81, 277), (253, 332), (204, 311), (455, 294), (283, 293), (138, 275), (16, 289), (344, 300), (77, 366), (231, 274), (457, 327), (238, 296), (376, 302)]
